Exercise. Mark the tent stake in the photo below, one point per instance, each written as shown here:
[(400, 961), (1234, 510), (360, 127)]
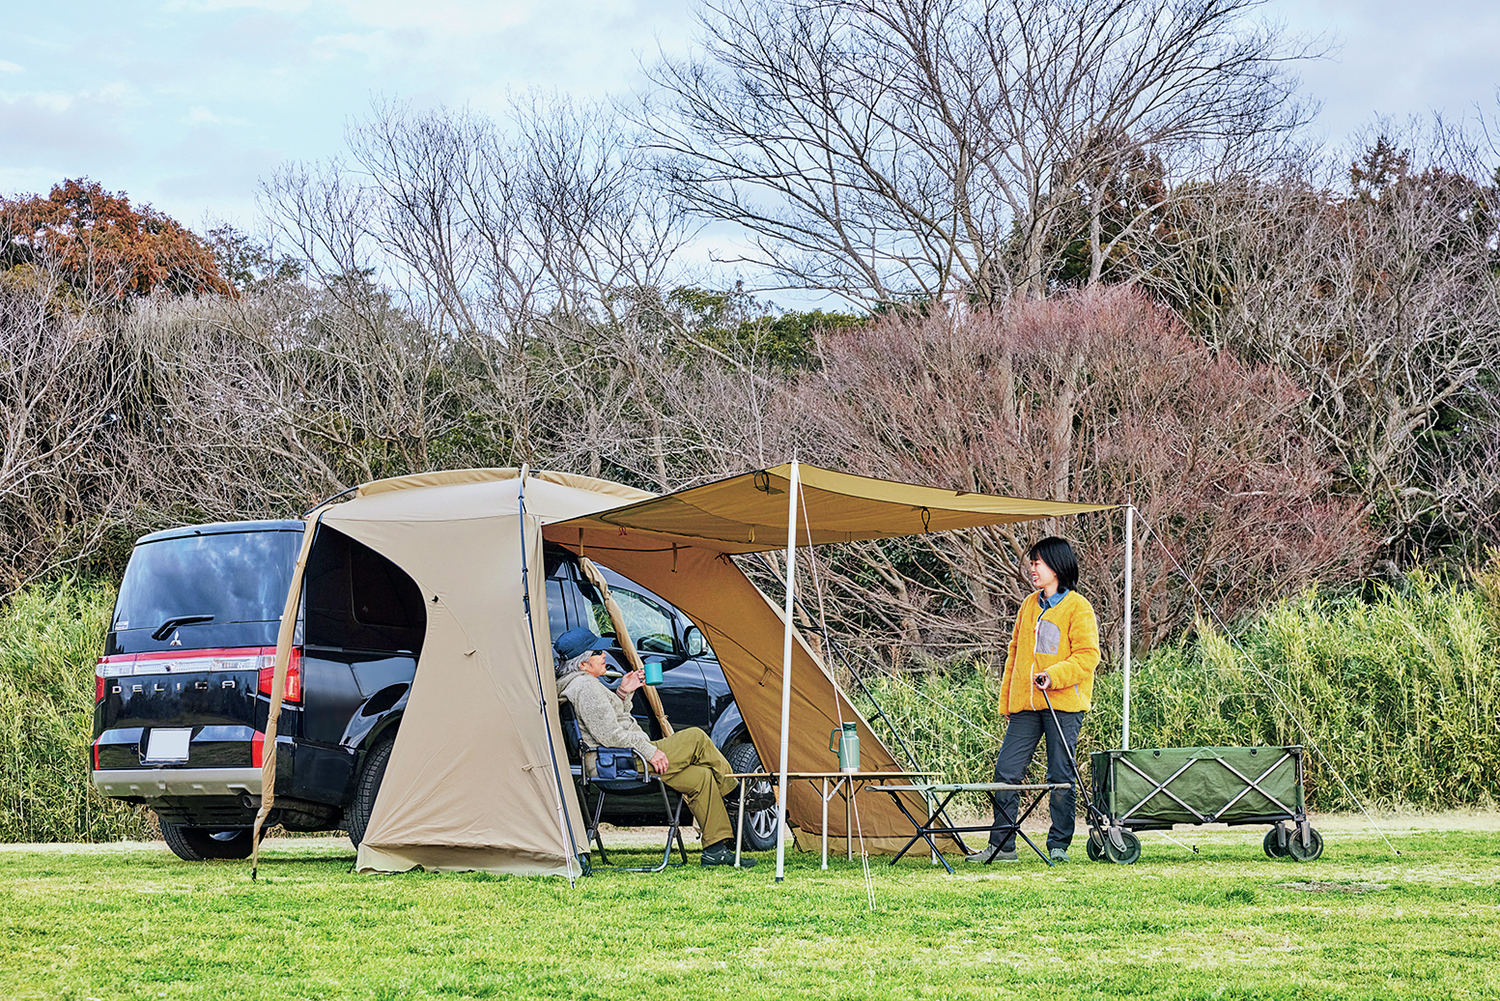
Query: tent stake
[(786, 668)]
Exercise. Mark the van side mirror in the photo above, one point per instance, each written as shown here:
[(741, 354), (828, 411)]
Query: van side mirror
[(694, 643)]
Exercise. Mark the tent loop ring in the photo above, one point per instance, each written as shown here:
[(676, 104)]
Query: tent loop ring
[(762, 480), (926, 521)]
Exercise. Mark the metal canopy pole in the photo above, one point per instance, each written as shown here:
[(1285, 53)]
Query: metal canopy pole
[(786, 668), (1129, 569)]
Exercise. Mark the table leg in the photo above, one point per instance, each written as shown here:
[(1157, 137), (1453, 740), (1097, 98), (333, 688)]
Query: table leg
[(849, 817), (825, 822), (1021, 816), (739, 829), (924, 829)]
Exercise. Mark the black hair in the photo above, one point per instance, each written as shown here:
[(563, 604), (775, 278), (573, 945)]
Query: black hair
[(1058, 555)]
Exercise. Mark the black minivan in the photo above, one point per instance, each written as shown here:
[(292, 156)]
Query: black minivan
[(183, 688)]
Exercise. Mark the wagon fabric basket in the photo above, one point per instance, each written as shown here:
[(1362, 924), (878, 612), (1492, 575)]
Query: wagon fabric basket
[(1155, 788)]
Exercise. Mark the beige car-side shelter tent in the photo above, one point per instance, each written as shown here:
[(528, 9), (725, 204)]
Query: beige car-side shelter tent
[(478, 776)]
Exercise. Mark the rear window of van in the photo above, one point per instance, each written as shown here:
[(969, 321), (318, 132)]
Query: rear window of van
[(234, 577)]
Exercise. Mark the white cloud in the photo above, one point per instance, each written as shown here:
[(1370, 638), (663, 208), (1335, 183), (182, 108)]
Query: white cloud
[(61, 101), (66, 134), (6, 67), (213, 6), (460, 18), (375, 46)]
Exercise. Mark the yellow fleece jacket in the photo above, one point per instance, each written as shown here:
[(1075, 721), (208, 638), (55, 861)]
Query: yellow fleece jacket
[(1063, 642)]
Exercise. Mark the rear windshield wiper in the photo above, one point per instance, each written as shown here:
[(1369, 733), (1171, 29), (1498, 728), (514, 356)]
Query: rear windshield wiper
[(178, 620)]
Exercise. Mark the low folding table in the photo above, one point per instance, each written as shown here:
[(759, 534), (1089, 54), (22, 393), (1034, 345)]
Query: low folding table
[(829, 785), (947, 790)]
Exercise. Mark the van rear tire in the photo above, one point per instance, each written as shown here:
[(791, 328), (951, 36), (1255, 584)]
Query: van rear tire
[(368, 788), (200, 844)]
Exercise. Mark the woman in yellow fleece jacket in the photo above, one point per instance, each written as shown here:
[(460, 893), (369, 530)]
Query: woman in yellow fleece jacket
[(1055, 646)]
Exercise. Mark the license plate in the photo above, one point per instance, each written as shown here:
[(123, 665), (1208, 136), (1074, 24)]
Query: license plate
[(168, 745)]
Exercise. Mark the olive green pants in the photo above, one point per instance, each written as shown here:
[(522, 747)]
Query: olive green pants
[(699, 771)]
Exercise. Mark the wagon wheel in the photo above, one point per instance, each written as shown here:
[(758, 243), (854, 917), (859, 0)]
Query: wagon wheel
[(1272, 843), (1095, 844), (1308, 852), (1128, 851)]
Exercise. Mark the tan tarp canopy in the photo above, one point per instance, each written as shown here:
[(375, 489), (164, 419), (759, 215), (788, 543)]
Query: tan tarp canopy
[(478, 776), (747, 513), (676, 545)]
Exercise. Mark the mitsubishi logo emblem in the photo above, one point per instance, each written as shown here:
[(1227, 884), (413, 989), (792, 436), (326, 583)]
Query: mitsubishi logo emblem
[(176, 638)]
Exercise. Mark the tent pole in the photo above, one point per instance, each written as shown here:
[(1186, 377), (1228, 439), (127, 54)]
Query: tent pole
[(563, 816), (786, 668), (1129, 570), (284, 636)]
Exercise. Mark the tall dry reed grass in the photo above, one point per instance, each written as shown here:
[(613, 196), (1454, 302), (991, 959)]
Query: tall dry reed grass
[(1399, 697), (50, 637), (1401, 694)]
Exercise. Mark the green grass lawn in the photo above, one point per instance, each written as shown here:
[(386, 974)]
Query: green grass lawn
[(125, 923)]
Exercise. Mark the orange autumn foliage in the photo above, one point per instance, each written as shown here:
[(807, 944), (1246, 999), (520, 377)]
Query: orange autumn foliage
[(103, 247)]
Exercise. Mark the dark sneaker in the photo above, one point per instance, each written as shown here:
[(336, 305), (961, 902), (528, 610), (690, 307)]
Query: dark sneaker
[(1058, 855), (992, 853), (723, 854)]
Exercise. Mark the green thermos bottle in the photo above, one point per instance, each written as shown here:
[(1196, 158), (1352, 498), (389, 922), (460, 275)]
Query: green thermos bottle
[(846, 742)]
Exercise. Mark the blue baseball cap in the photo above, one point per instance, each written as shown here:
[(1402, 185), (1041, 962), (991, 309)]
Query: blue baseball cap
[(575, 641)]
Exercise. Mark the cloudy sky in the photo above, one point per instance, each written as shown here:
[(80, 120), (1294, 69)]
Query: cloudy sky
[(186, 104)]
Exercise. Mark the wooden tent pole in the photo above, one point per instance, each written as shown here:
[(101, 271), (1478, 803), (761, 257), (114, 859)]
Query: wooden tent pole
[(627, 645)]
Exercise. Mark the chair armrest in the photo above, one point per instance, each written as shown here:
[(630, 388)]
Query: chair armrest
[(608, 765)]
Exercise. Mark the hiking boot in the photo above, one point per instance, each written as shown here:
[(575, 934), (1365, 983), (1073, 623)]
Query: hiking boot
[(992, 853), (723, 854), (1059, 855)]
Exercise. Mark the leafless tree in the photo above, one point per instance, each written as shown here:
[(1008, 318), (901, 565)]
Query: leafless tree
[(498, 232), (891, 149), (1378, 291), (57, 405), (649, 401), (1093, 396)]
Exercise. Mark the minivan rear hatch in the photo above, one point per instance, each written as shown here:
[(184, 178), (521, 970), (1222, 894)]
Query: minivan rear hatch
[(193, 634)]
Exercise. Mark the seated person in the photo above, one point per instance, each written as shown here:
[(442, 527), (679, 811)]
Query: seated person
[(687, 761)]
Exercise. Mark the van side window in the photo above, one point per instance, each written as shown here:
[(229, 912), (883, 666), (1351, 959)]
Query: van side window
[(384, 595), (649, 625), (557, 613), (358, 599)]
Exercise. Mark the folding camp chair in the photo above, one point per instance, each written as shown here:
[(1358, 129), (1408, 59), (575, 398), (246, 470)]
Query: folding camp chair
[(620, 771)]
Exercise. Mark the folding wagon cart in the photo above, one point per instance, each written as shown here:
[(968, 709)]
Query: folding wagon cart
[(1154, 788)]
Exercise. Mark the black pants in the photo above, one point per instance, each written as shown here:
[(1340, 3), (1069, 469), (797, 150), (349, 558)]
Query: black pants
[(1026, 728)]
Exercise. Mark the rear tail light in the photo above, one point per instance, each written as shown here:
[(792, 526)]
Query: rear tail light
[(293, 690), (258, 749), (260, 659)]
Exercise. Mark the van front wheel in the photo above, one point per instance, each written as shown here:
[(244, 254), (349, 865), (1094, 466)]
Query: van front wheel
[(760, 824), (368, 788)]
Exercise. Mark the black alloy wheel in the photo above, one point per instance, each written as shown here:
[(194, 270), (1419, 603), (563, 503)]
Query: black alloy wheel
[(760, 825), (1308, 852), (1095, 845), (1127, 852)]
